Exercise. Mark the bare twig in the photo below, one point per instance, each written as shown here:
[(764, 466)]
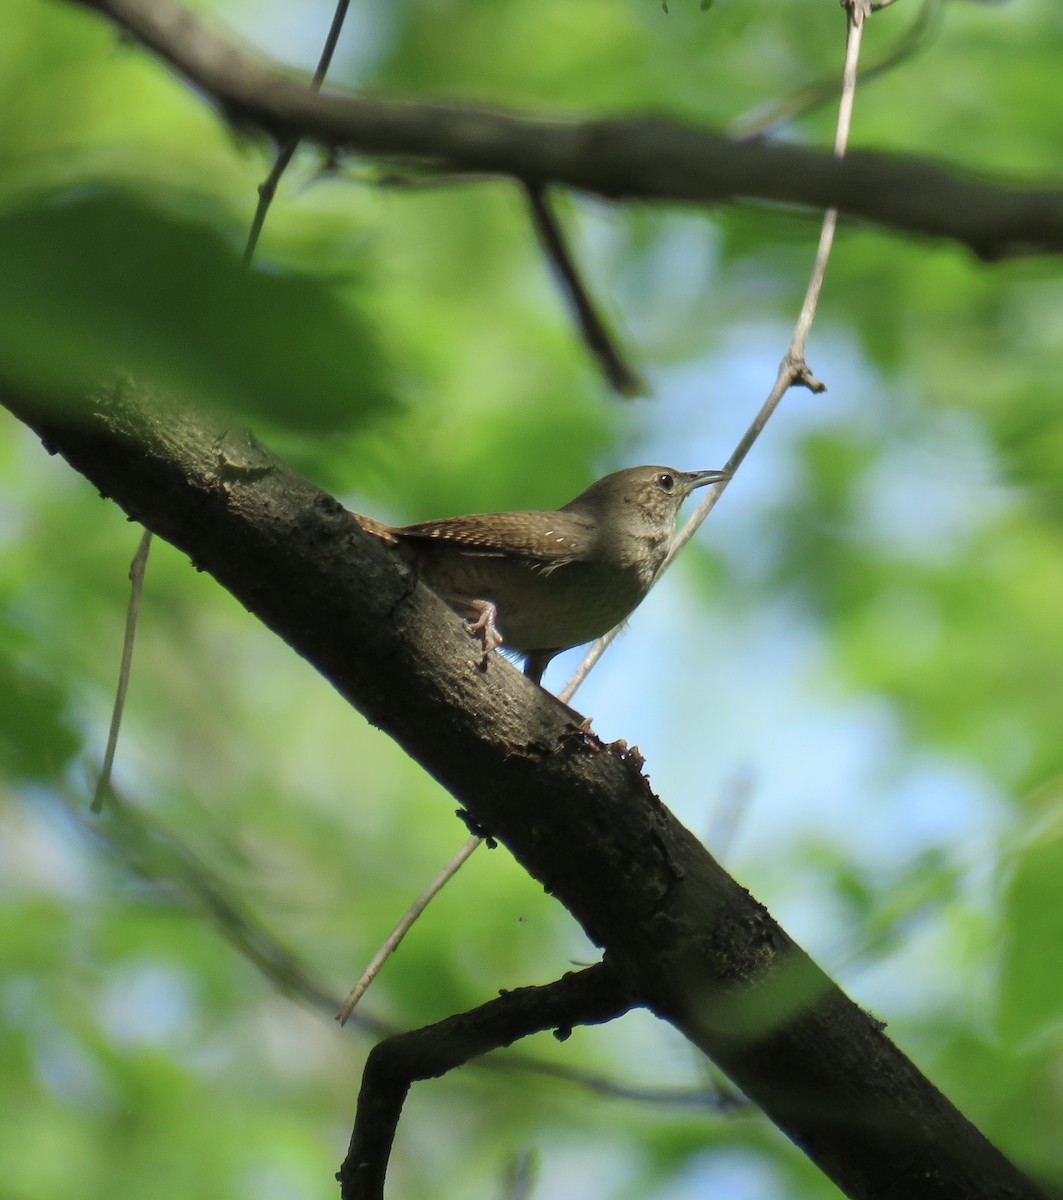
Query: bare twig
[(592, 328), (267, 189), (136, 588), (793, 369), (391, 943)]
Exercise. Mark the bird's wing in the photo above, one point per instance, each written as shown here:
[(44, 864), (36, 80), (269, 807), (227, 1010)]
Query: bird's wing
[(547, 539)]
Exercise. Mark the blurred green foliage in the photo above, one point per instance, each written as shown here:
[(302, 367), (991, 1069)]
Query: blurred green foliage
[(103, 281), (162, 1024)]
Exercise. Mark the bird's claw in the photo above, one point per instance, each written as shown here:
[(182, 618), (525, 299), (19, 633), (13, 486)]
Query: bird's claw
[(485, 628)]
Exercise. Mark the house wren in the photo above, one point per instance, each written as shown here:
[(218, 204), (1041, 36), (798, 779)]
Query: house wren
[(542, 582)]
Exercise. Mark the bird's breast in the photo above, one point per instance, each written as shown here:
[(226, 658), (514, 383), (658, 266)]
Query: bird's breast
[(540, 606)]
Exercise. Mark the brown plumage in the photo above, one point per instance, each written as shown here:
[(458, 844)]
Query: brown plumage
[(541, 582)]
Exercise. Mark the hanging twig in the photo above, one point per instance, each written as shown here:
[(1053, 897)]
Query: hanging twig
[(393, 939), (136, 588)]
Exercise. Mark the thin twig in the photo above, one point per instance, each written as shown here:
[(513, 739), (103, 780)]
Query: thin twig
[(267, 189), (792, 370), (622, 378), (136, 588), (399, 932)]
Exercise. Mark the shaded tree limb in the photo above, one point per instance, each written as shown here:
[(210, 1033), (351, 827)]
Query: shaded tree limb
[(690, 943), (596, 337), (643, 158), (587, 997)]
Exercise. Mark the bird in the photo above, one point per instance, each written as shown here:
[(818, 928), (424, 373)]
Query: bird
[(540, 582)]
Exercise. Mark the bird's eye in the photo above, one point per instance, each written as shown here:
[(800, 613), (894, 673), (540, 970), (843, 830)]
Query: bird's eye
[(665, 482)]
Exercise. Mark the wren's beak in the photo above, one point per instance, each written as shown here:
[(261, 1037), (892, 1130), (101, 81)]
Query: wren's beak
[(696, 479)]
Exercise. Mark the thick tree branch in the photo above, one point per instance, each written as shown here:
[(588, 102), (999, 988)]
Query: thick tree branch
[(689, 942), (637, 158)]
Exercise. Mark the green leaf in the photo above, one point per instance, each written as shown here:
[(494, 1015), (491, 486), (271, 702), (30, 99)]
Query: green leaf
[(99, 281)]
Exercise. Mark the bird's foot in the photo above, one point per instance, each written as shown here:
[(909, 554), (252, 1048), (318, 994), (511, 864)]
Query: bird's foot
[(484, 627)]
